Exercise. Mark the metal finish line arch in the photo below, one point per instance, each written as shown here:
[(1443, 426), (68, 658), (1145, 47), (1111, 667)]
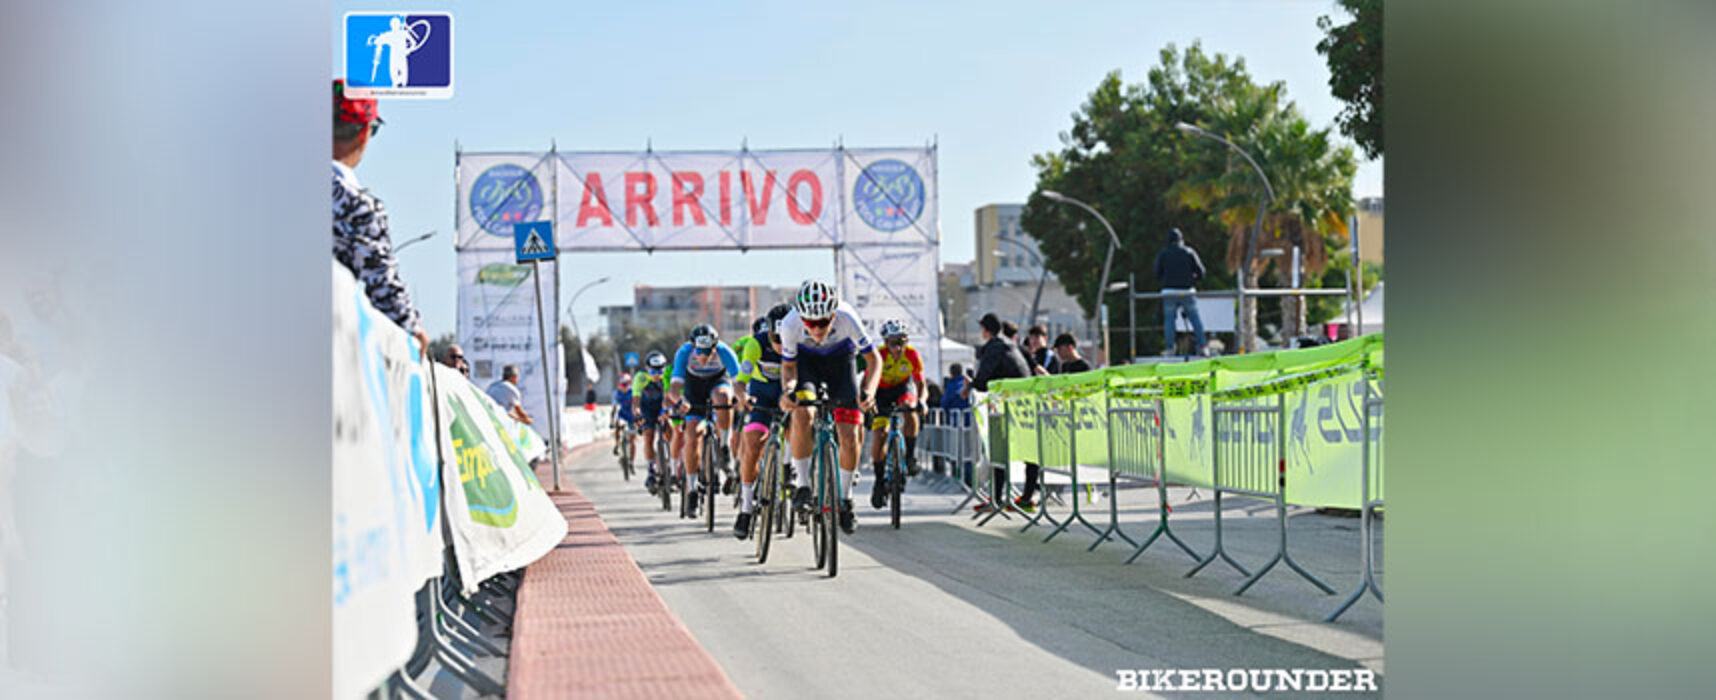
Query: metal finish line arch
[(875, 208)]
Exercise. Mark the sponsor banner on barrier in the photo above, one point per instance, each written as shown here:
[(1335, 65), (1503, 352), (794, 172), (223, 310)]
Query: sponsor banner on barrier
[(499, 515), (498, 327), (1320, 392), (385, 496)]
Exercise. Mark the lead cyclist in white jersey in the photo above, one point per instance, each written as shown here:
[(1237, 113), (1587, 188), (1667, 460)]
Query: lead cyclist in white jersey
[(820, 339)]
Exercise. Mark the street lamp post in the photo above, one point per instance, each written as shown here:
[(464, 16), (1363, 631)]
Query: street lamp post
[(418, 239), (1042, 279), (1107, 263), (1245, 339), (576, 334)]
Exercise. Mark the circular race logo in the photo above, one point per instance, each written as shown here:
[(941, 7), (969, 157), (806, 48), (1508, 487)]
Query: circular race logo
[(889, 195), (505, 195)]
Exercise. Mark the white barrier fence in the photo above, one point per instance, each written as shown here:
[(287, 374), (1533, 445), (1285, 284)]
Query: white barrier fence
[(426, 470)]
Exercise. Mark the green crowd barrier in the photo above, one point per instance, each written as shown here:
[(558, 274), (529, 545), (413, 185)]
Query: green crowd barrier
[(1324, 395)]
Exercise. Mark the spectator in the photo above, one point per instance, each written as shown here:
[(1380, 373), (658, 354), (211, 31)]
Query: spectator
[(454, 356), (1178, 269), (361, 241), (999, 358), (1067, 361), (953, 389), (1037, 350), (505, 392)]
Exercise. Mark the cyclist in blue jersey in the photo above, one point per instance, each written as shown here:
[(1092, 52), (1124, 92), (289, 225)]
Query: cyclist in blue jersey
[(702, 377), (622, 415)]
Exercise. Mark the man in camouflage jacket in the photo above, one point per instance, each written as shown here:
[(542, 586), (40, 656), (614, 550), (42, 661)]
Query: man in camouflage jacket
[(361, 242)]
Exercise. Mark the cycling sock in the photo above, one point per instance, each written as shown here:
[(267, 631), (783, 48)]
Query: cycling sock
[(881, 466), (911, 446), (745, 492), (801, 472), (691, 484), (847, 477)]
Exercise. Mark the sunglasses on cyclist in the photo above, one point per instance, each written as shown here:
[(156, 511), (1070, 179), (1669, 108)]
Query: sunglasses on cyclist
[(818, 322)]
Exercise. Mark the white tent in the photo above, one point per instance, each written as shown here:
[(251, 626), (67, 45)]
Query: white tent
[(1371, 308), (951, 351)]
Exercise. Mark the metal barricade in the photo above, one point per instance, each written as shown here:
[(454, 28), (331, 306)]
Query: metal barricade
[(1055, 434), (1136, 451), (1370, 496), (1253, 464), (991, 456), (1045, 456)]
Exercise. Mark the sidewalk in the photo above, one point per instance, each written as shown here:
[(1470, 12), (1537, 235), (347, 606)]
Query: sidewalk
[(589, 624)]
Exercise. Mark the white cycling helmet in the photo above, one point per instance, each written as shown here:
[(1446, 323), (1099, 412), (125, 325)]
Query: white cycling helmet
[(816, 300), (894, 328), (656, 360)]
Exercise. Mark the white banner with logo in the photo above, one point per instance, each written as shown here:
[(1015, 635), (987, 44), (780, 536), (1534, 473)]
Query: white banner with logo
[(500, 516), (386, 503), (896, 282), (498, 327), (390, 510)]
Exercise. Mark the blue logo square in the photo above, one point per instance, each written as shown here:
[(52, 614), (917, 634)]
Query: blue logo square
[(399, 54)]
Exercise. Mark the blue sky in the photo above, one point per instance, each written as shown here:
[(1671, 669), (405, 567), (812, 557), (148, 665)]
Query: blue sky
[(991, 82)]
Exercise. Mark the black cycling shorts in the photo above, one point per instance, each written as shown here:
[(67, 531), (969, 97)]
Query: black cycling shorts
[(838, 372), (697, 392)]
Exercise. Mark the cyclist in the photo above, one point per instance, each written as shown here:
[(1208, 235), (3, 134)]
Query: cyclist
[(647, 404), (760, 366), (901, 384), (743, 408), (622, 415), (819, 339), (702, 372)]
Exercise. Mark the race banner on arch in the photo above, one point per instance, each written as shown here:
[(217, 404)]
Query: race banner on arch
[(876, 208), (701, 200)]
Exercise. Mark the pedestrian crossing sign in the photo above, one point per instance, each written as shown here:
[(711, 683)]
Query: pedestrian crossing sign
[(533, 240)]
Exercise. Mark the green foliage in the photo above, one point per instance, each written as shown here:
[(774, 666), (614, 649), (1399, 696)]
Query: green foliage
[(1354, 53), (438, 345), (1125, 157), (1325, 309)]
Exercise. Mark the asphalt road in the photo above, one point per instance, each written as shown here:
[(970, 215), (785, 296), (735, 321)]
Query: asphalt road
[(942, 608)]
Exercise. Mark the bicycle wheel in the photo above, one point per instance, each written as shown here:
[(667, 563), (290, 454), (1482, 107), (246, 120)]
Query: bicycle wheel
[(626, 456), (818, 524), (896, 477), (663, 482), (831, 514), (762, 516), (711, 453), (785, 520)]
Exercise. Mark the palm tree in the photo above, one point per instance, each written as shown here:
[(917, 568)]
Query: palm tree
[(1312, 181)]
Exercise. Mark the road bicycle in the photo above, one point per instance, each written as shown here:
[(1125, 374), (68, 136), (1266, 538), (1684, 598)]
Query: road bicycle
[(773, 494), (822, 520), (894, 459)]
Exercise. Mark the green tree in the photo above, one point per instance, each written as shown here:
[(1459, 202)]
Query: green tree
[(1124, 156), (438, 346), (1354, 53), (1311, 176)]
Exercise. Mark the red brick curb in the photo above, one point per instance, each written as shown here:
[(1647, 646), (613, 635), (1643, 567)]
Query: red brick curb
[(590, 625)]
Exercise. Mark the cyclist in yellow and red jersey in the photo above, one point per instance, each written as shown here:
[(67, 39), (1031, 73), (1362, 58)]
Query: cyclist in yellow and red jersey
[(901, 384)]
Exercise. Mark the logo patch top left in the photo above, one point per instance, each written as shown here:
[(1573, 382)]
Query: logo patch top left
[(399, 55)]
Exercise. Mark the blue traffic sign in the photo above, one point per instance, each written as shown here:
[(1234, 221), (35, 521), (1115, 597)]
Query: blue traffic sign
[(632, 359), (533, 240)]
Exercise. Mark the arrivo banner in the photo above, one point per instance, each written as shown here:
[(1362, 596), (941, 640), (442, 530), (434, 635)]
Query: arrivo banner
[(875, 206), (701, 200)]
